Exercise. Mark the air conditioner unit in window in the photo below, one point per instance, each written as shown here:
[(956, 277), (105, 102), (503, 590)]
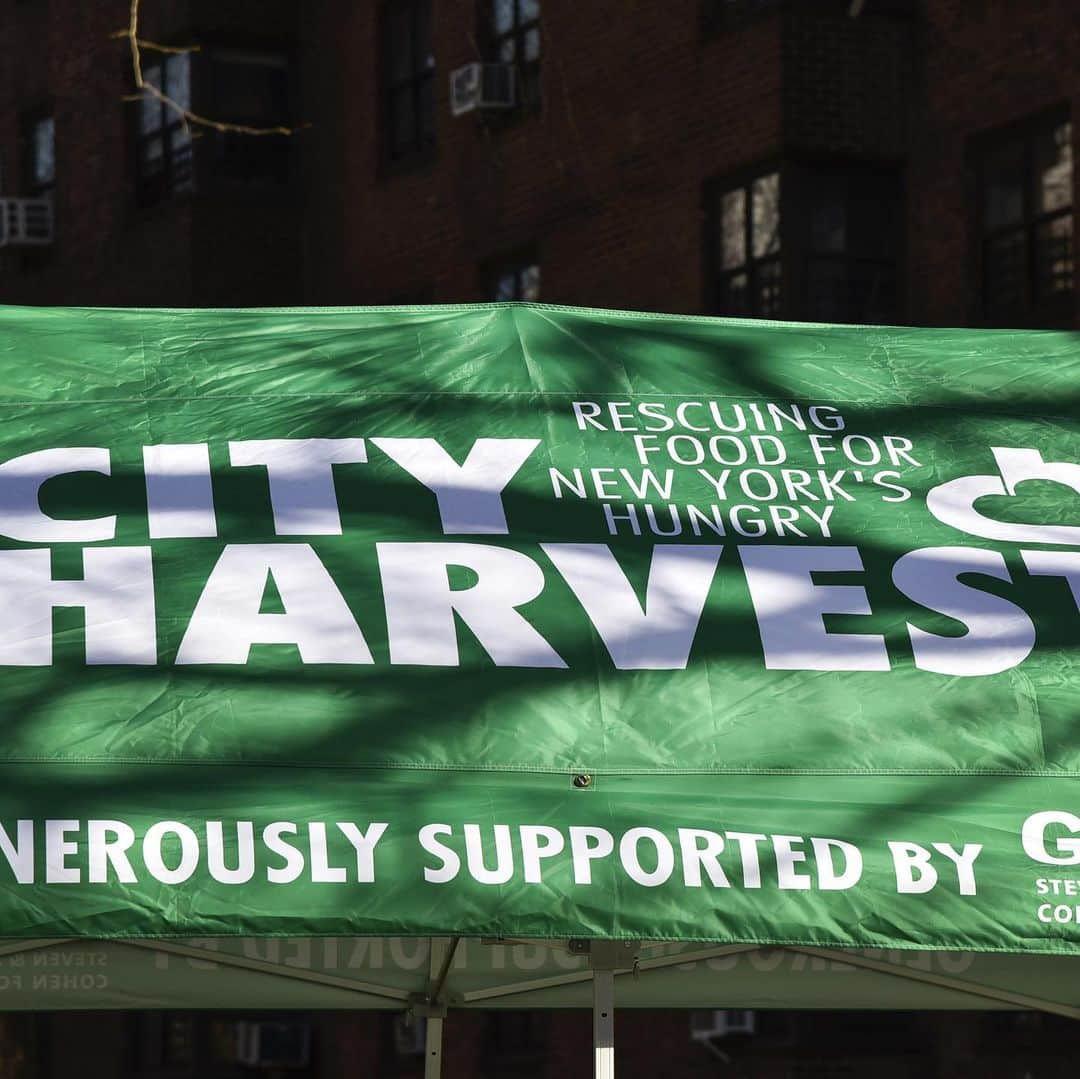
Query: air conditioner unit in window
[(270, 1044), (704, 1026), (26, 222), (482, 86)]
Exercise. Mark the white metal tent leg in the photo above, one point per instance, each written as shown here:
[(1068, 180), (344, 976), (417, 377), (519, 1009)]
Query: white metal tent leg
[(431, 1004), (604, 1024), (433, 1049)]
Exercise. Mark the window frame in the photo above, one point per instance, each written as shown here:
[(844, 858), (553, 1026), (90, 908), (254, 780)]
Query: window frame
[(421, 150), (527, 73), (1032, 310), (28, 182), (205, 75), (800, 243), (715, 190), (171, 181), (517, 262), (795, 246), (149, 1038)]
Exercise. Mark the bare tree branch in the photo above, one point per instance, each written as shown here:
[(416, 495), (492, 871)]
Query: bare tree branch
[(191, 119)]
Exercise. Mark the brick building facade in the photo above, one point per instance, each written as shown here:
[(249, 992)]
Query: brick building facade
[(877, 161), (904, 161)]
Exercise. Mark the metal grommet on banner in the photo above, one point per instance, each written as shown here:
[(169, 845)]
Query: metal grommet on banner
[(582, 780)]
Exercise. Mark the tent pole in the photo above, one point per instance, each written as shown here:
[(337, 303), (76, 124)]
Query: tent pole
[(604, 1024), (433, 1049), (605, 957), (431, 1004)]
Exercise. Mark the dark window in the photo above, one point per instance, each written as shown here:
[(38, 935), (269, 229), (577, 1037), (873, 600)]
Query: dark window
[(745, 228), (848, 268), (163, 142), (827, 250), (512, 28), (514, 279), (1026, 224), (179, 1041), (408, 77), (176, 1045), (250, 89), (40, 155)]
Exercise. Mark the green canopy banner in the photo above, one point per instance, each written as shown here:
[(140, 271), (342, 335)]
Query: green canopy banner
[(521, 621)]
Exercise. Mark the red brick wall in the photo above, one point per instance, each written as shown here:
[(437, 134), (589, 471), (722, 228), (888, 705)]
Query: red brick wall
[(847, 82), (640, 108), (605, 181)]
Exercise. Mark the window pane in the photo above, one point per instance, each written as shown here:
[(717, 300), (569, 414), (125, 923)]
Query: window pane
[(530, 283), (1054, 257), (180, 158), (733, 295), (528, 10), (44, 151), (532, 44), (250, 92), (1053, 169), (766, 215), (402, 121), (873, 215), (1003, 187), (871, 293), (400, 60), (1005, 272), (424, 56), (506, 286), (178, 1037), (503, 15), (826, 290), (425, 121), (149, 106), (506, 51), (151, 156), (178, 79), (767, 289), (733, 229)]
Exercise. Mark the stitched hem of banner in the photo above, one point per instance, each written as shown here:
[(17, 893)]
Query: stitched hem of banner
[(545, 770), (662, 316), (1064, 949)]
